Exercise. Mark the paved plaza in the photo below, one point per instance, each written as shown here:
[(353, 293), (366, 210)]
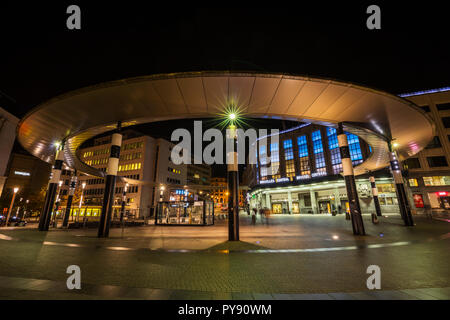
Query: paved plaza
[(285, 257)]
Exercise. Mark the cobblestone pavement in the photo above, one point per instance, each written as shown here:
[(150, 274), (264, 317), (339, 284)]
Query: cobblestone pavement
[(293, 257)]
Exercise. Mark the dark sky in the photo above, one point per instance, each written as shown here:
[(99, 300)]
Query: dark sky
[(41, 58)]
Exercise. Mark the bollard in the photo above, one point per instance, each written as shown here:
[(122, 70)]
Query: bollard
[(374, 218)]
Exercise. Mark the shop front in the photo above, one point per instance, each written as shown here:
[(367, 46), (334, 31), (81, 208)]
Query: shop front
[(329, 197)]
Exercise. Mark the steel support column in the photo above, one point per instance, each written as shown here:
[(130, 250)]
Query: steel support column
[(233, 187), (110, 184), (73, 185), (376, 201), (44, 220), (352, 193), (403, 203)]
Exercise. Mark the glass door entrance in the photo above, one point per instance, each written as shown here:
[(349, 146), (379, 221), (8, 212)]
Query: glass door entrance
[(324, 207), (276, 208)]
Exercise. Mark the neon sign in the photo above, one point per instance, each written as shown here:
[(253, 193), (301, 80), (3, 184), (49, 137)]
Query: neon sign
[(22, 173)]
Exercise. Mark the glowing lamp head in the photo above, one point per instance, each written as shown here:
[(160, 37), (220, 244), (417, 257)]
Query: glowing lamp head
[(232, 116), (83, 185), (395, 145), (16, 190)]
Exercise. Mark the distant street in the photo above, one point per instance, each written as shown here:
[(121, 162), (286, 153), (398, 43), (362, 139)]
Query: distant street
[(286, 257)]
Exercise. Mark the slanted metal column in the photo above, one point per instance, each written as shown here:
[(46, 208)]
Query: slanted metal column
[(376, 201), (110, 184), (73, 185), (403, 203), (49, 203), (349, 177), (233, 187)]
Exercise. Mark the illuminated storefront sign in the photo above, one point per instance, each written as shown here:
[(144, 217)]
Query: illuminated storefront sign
[(313, 175), (318, 174), (267, 181), (442, 193), (22, 173), (418, 201)]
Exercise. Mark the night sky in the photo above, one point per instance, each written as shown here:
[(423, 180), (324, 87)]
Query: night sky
[(41, 58)]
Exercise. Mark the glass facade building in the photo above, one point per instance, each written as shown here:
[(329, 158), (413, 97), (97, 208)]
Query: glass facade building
[(301, 173)]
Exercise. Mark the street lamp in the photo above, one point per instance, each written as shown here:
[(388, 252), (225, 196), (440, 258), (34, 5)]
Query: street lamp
[(57, 202), (83, 185), (11, 206), (124, 198), (26, 209)]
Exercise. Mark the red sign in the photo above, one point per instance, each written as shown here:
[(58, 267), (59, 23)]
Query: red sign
[(442, 193), (418, 200)]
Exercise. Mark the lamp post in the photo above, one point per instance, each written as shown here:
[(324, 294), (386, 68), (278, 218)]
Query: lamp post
[(124, 198), (25, 209), (233, 184), (83, 185), (57, 201), (161, 193), (18, 208), (11, 206)]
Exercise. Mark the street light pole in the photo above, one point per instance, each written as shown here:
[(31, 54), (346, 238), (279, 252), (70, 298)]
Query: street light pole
[(233, 186), (57, 202), (83, 185), (11, 206), (124, 198)]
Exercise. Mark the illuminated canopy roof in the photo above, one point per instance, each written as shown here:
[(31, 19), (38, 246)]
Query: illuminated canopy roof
[(371, 114)]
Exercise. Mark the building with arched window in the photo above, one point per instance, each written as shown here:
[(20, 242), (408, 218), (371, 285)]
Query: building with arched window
[(299, 171)]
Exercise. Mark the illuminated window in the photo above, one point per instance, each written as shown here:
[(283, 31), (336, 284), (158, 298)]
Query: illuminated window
[(289, 158), (303, 155), (288, 151), (318, 150), (386, 188), (274, 152), (413, 183), (263, 155), (290, 168), (275, 159), (436, 181), (333, 145), (355, 148)]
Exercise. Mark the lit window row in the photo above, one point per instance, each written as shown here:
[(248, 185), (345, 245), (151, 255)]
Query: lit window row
[(436, 181), (133, 145), (88, 154), (130, 166), (173, 170), (131, 156), (101, 151)]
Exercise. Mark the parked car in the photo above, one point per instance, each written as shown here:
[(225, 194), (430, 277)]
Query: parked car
[(13, 221)]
